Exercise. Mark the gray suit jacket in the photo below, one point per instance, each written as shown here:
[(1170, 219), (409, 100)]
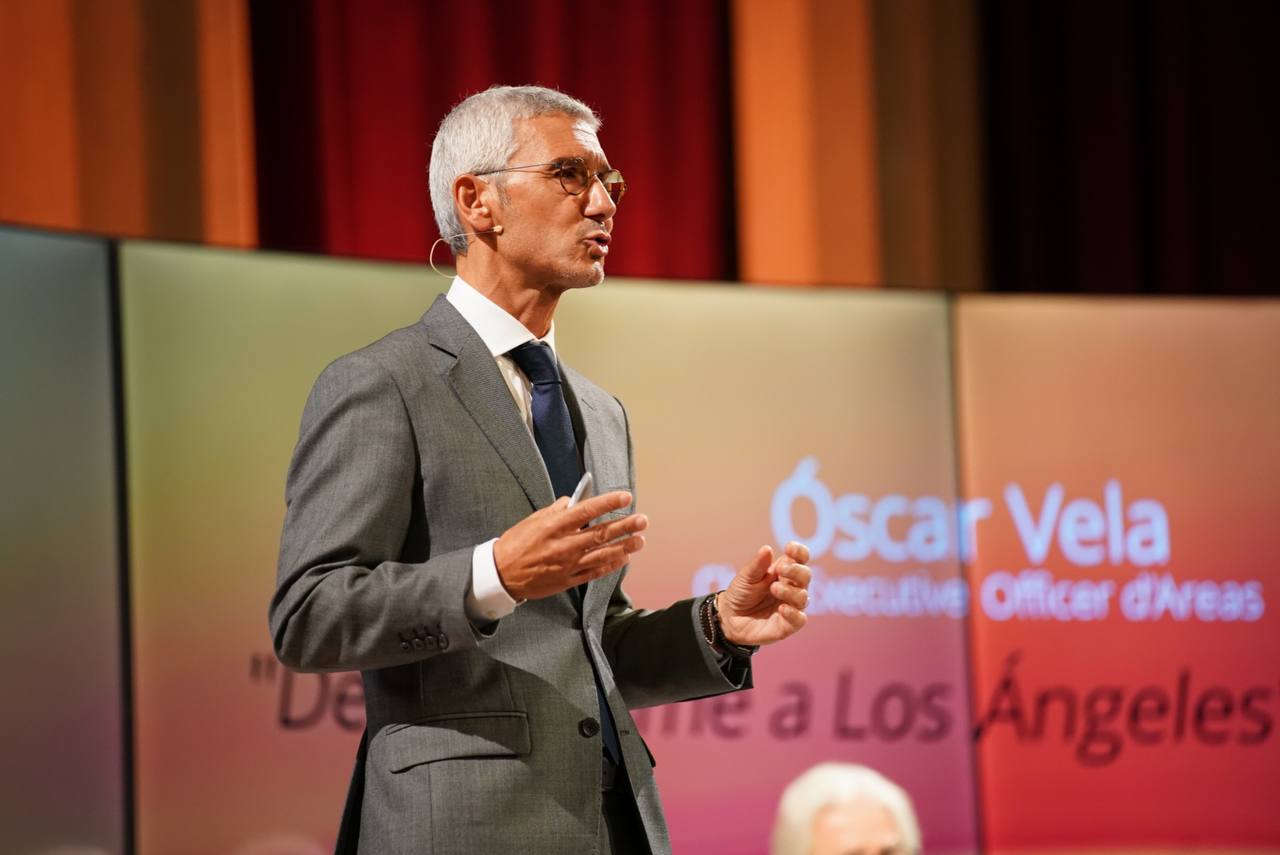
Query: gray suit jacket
[(479, 740)]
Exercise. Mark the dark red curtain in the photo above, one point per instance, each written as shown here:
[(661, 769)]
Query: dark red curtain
[(348, 94), (1131, 145)]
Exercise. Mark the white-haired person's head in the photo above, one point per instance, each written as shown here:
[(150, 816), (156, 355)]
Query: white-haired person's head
[(845, 809)]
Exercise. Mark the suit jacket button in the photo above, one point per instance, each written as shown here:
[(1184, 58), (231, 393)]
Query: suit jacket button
[(431, 642), (404, 645), (588, 727), (444, 641), (418, 643)]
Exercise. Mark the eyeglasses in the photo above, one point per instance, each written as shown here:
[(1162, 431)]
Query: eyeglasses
[(574, 176)]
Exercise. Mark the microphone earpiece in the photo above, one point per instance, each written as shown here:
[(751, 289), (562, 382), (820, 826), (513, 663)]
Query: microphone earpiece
[(496, 230)]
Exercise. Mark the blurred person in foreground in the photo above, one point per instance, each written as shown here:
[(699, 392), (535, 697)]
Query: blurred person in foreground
[(845, 809), (430, 542)]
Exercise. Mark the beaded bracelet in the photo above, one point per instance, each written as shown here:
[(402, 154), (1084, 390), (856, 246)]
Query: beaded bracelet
[(713, 632)]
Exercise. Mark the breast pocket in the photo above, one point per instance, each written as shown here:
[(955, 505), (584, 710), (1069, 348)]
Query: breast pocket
[(614, 515)]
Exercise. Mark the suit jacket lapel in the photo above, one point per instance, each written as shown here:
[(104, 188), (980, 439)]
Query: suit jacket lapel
[(591, 431), (478, 383)]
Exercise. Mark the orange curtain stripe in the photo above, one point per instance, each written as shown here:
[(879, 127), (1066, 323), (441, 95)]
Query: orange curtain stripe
[(846, 194), (113, 147), (773, 141), (858, 142), (804, 140), (128, 117), (907, 165), (226, 126), (38, 167)]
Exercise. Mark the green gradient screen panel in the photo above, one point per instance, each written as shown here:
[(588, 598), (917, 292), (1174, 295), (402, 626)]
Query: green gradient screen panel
[(221, 348), (59, 601)]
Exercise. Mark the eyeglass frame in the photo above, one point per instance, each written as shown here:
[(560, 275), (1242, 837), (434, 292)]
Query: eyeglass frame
[(559, 163)]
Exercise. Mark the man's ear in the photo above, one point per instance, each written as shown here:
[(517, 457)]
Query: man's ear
[(471, 197)]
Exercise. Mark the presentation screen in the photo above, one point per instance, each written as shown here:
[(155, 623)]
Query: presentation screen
[(1095, 551), (758, 417), (235, 754), (763, 416), (1122, 462), (62, 750)]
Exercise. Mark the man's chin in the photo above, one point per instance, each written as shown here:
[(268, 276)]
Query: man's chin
[(589, 279), (579, 278)]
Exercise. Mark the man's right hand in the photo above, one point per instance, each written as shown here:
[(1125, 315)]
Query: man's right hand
[(549, 551)]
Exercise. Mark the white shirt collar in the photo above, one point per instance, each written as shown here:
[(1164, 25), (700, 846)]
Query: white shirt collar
[(499, 330)]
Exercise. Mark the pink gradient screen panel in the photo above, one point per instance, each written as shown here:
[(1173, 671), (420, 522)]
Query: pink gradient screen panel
[(1123, 461), (764, 416)]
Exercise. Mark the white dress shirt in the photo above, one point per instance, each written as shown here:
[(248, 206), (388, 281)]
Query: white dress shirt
[(488, 600)]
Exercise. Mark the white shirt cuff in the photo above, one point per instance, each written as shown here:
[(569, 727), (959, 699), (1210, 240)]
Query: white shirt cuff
[(487, 600)]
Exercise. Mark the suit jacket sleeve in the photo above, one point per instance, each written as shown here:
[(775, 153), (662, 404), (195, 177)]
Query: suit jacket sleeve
[(345, 599), (660, 657)]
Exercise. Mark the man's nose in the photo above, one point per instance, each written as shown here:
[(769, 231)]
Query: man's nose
[(600, 204)]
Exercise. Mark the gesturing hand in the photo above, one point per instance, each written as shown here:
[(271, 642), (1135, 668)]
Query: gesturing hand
[(765, 602), (549, 551)]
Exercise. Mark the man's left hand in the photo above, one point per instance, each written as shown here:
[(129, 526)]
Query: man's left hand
[(765, 602)]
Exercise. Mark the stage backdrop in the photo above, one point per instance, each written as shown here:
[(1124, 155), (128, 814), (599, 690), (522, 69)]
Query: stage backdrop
[(758, 416), (1119, 468), (1124, 460), (61, 747)]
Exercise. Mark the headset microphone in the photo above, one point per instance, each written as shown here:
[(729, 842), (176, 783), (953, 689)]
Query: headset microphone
[(496, 230)]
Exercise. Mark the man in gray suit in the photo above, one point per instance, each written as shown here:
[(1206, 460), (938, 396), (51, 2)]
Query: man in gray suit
[(429, 541)]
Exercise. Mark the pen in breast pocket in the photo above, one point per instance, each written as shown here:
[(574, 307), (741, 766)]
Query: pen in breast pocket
[(582, 491)]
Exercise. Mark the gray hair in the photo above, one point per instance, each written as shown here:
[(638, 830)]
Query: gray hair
[(479, 135), (834, 784)]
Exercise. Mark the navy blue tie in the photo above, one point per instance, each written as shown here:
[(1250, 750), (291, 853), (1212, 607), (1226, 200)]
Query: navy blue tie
[(553, 432), (552, 427)]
